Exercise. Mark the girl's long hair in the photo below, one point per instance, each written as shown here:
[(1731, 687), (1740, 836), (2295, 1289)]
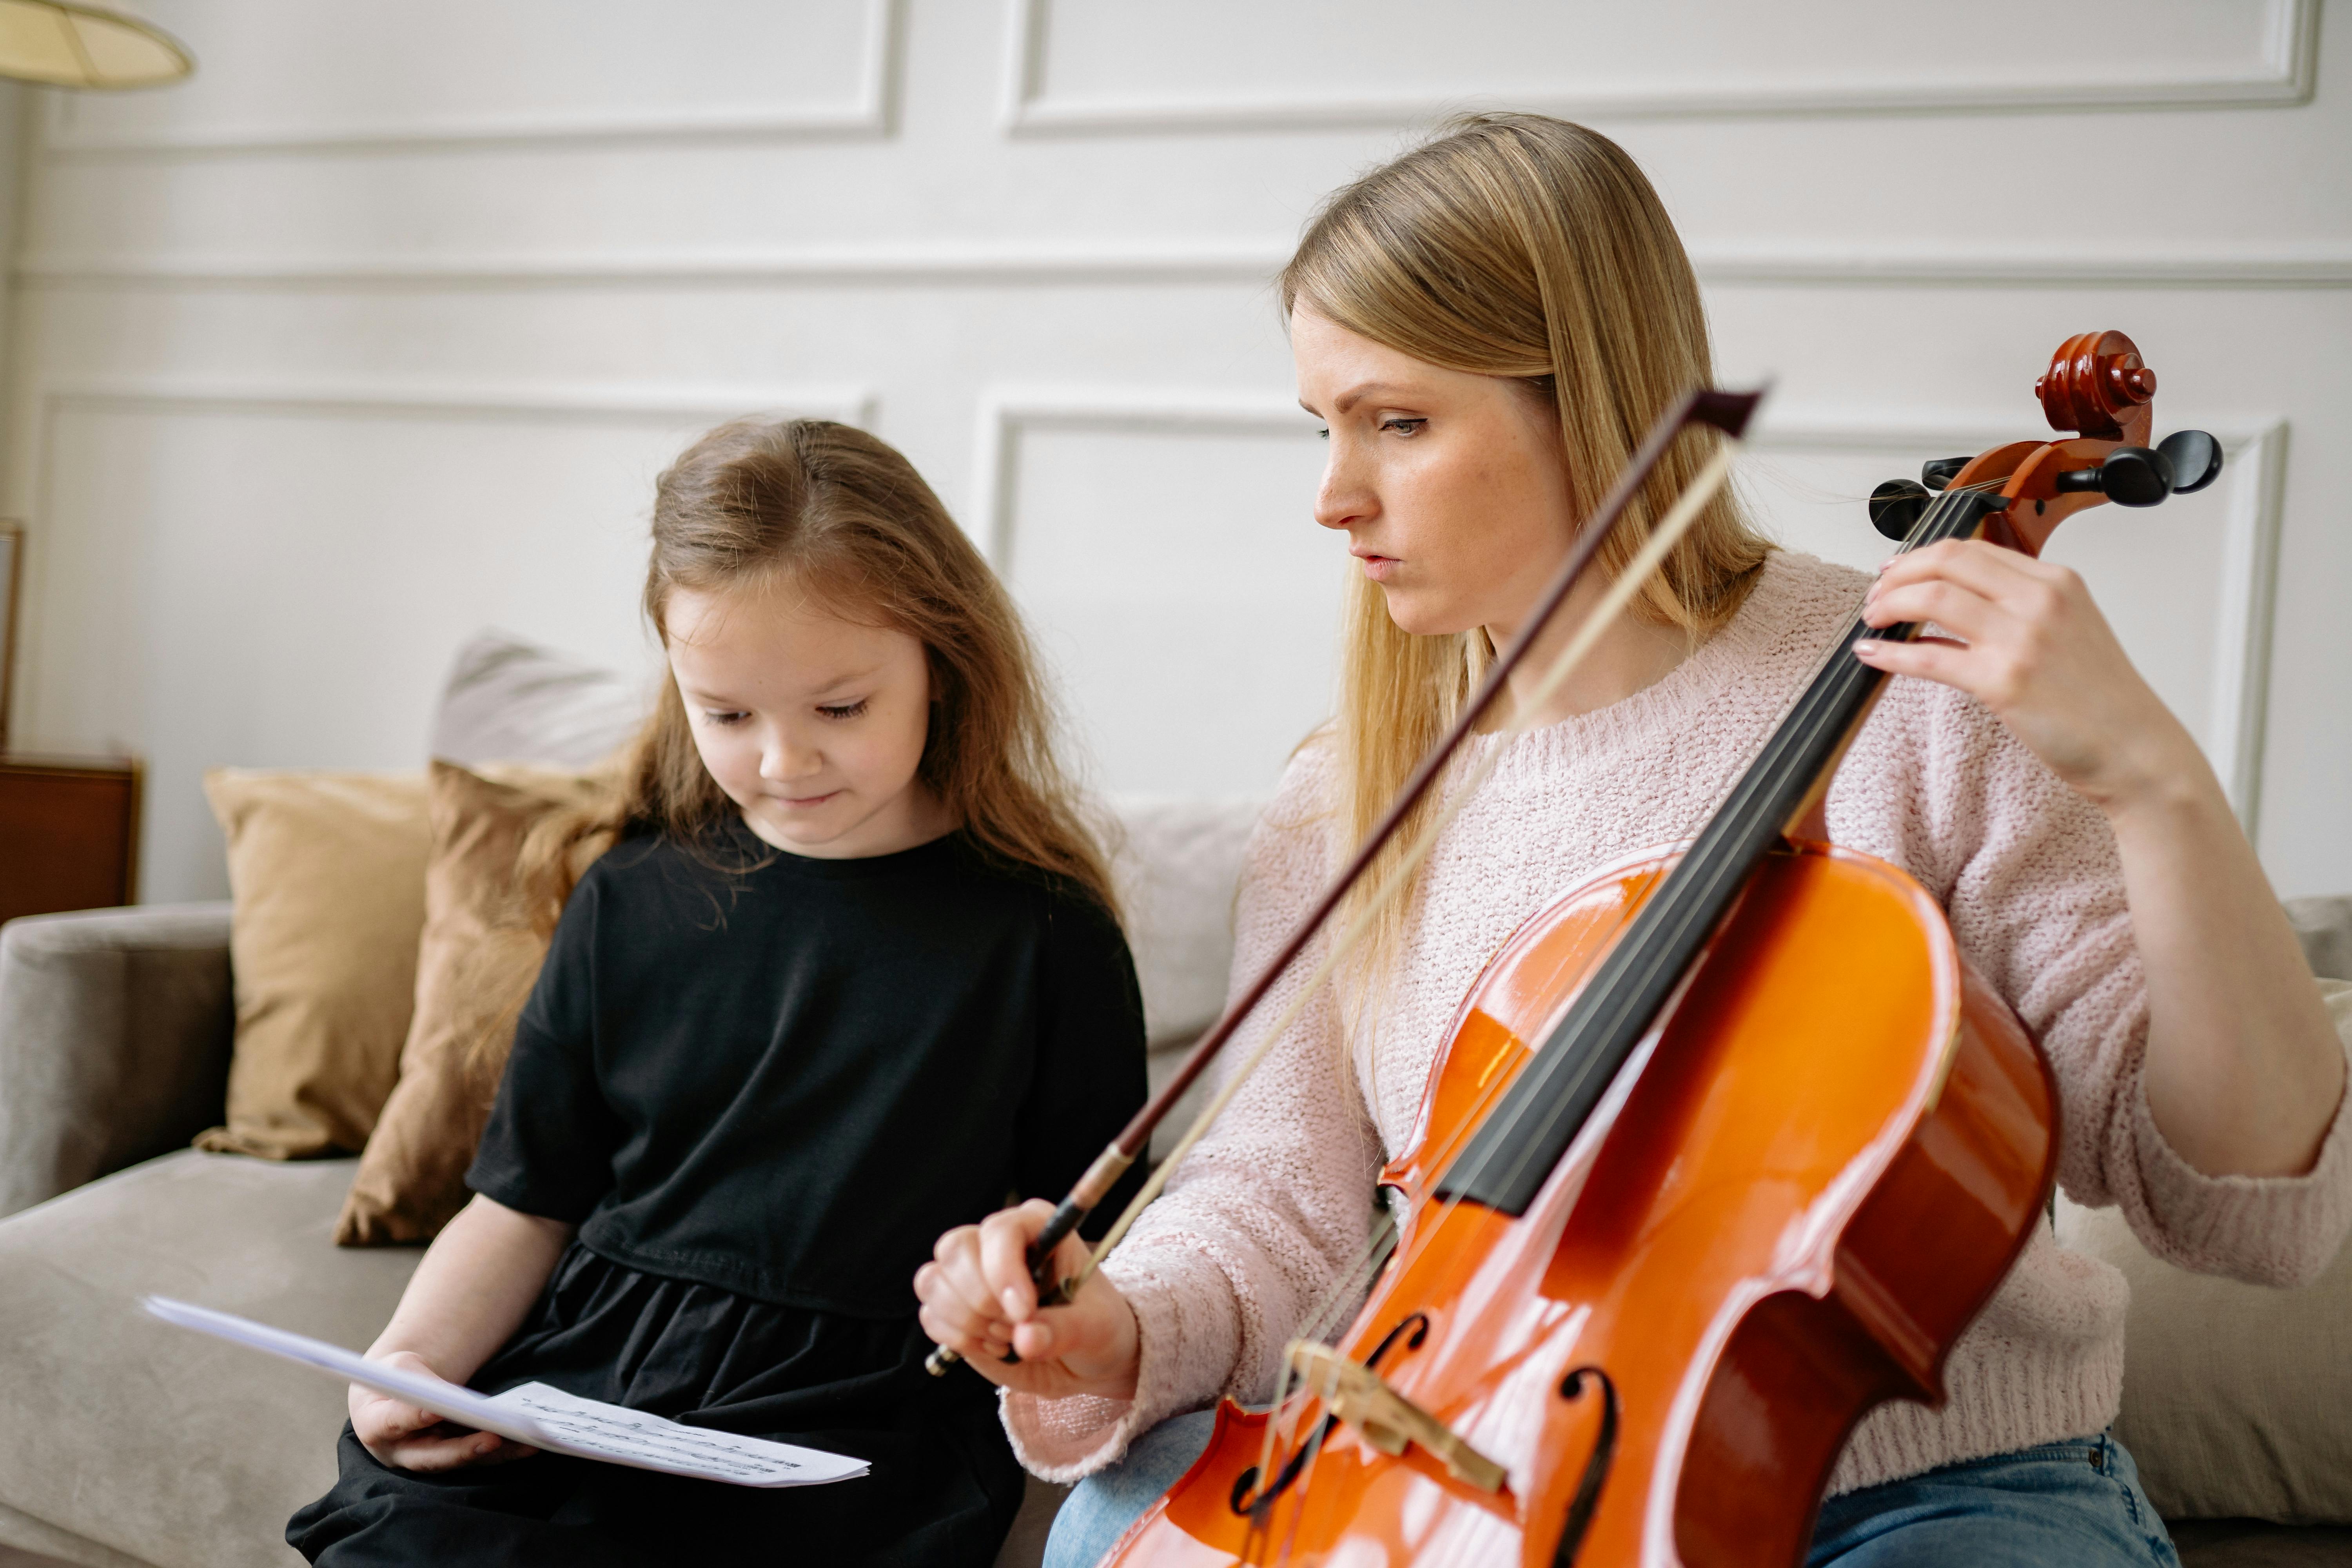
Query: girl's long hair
[(1517, 246), (847, 520)]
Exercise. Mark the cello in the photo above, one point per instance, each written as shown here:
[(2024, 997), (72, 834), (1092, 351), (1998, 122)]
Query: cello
[(1727, 1146)]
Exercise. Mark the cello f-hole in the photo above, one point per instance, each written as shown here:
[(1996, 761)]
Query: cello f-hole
[(1596, 1468), (1417, 1322), (1245, 1506), (1242, 1503)]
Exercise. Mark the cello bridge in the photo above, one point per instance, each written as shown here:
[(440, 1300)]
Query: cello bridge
[(1386, 1420)]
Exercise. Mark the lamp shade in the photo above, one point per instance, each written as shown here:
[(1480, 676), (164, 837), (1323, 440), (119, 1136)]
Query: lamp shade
[(68, 45)]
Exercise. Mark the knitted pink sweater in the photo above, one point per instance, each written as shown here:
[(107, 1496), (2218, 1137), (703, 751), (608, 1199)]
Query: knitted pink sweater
[(1276, 1201)]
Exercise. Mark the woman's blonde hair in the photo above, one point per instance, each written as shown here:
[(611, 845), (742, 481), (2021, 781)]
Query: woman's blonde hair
[(847, 520), (1515, 246)]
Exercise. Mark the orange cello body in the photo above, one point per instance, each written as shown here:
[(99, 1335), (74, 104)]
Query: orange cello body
[(1820, 1164)]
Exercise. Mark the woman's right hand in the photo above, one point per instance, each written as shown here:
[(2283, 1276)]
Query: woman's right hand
[(404, 1437), (979, 1301)]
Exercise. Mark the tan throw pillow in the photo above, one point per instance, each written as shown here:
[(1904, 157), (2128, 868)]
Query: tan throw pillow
[(2237, 1398), (474, 966), (328, 872)]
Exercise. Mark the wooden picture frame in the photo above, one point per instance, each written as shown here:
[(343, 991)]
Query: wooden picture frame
[(12, 572)]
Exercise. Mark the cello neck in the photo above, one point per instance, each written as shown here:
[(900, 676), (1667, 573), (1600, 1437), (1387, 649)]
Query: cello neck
[(1507, 1161)]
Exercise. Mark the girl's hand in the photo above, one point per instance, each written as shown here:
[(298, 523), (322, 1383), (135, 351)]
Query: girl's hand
[(978, 1300), (2034, 650), (406, 1439)]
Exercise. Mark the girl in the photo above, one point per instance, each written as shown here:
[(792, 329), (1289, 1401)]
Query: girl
[(849, 973), (1487, 326)]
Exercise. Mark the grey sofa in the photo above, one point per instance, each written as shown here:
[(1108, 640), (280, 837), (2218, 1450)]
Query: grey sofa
[(125, 1444)]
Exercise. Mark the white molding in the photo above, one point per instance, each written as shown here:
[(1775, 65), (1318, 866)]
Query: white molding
[(569, 403), (873, 113), (2253, 482), (2249, 598), (2290, 53), (2287, 266), (1006, 412), (1026, 264), (609, 403), (948, 262)]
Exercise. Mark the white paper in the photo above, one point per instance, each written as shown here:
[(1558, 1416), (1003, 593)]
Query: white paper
[(541, 1417)]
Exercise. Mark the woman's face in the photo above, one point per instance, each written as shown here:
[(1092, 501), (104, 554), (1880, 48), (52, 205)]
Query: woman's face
[(1449, 484)]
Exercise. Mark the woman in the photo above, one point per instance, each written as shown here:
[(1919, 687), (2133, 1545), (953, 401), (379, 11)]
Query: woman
[(1486, 325)]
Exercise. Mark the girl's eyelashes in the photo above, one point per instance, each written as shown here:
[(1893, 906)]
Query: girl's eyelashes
[(828, 709)]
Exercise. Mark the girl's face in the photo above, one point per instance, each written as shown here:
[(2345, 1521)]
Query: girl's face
[(813, 725), (1449, 484)]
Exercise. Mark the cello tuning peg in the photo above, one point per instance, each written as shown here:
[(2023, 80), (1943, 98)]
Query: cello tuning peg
[(2136, 476), (1896, 506), (1937, 473), (2130, 476), (2196, 459)]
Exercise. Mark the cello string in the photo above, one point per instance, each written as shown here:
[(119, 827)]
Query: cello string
[(1307, 1476), (1811, 714), (1817, 707), (1341, 1294), (1670, 529), (1467, 1123), (1662, 538), (1805, 720), (1357, 1275), (1807, 717)]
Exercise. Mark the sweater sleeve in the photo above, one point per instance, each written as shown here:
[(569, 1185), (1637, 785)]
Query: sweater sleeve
[(2030, 876), (1260, 1224)]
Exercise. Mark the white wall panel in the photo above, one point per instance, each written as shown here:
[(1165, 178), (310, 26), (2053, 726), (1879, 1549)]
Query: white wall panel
[(2188, 586), (381, 324), (1186, 599), (1080, 66), (280, 75), (278, 576)]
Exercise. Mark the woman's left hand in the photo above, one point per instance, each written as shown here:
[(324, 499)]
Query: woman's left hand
[(2243, 1069), (2032, 646)]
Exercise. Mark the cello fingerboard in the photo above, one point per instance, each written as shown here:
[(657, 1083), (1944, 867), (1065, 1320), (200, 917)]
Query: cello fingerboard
[(1514, 1150)]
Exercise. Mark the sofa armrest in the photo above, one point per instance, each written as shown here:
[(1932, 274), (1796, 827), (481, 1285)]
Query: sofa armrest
[(115, 1028)]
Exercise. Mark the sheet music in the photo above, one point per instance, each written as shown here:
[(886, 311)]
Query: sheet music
[(541, 1417)]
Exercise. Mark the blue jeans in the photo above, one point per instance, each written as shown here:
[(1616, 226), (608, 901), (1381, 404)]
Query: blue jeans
[(2076, 1504)]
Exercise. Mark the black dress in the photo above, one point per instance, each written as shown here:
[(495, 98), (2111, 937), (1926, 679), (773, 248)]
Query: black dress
[(762, 1094)]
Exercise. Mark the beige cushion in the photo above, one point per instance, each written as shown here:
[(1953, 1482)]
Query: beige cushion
[(1176, 860), (328, 873), (511, 700), (154, 1442), (474, 966), (2237, 1398)]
